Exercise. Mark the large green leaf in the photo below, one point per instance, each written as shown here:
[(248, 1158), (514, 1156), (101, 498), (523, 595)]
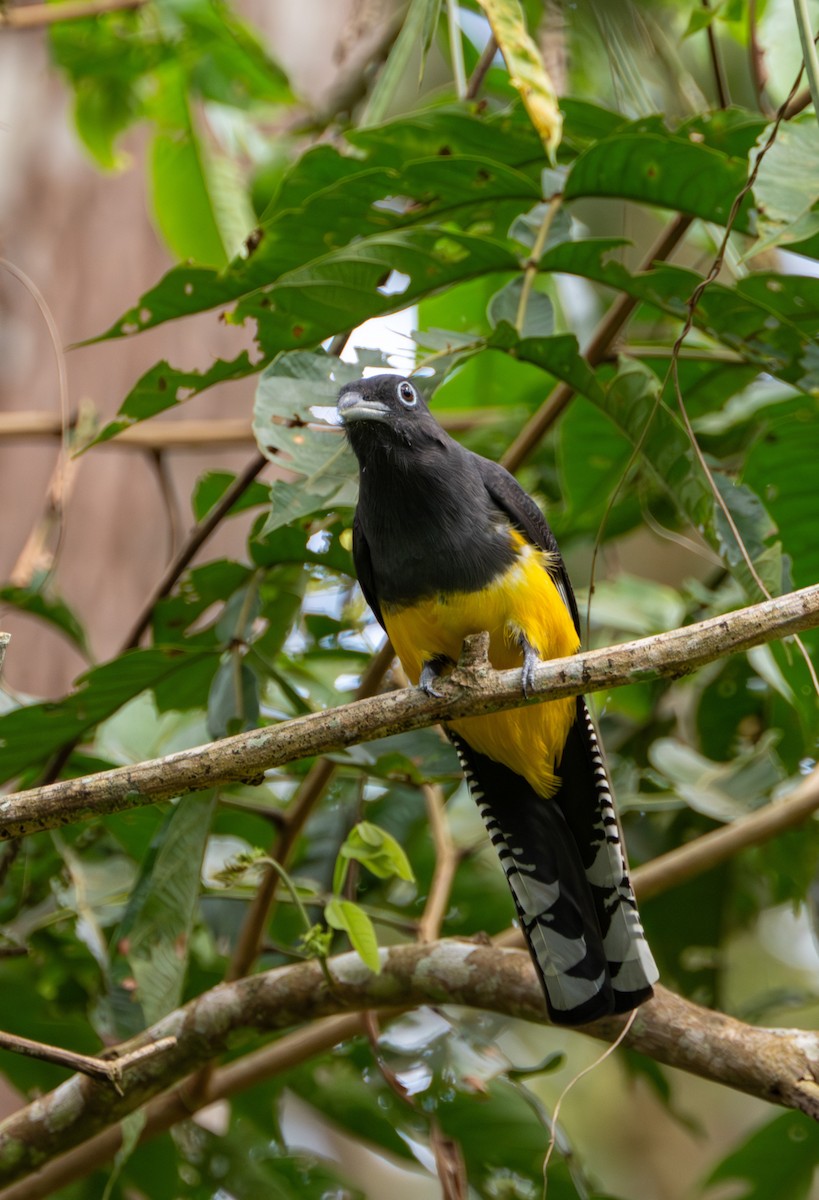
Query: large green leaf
[(51, 609), (444, 165), (777, 1160), (153, 938), (30, 735), (786, 188), (781, 468), (769, 320), (644, 162)]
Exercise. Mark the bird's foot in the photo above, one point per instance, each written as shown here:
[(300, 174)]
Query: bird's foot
[(430, 674), (531, 660)]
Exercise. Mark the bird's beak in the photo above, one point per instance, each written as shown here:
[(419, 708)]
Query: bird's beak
[(352, 406)]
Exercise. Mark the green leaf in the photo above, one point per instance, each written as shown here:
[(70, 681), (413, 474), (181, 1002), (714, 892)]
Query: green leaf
[(48, 608), (231, 65), (770, 320), (648, 164), (559, 355), (163, 387), (441, 167), (288, 390), (526, 228), (631, 401), (779, 1159), (376, 850), (180, 189), (30, 735), (781, 467), (198, 590), (701, 18), (786, 189), (418, 29), (233, 702), (211, 486), (352, 920), (722, 791), (538, 317), (153, 937), (592, 455)]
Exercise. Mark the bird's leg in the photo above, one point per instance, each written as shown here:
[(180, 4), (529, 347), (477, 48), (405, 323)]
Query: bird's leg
[(531, 659), (431, 673)]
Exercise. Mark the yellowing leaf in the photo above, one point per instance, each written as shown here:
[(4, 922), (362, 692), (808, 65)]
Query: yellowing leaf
[(527, 74)]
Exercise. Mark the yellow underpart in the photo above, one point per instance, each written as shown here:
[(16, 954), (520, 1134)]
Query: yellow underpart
[(522, 600)]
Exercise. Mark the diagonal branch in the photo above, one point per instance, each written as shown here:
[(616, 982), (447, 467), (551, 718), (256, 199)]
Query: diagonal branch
[(469, 692), (34, 16), (780, 1066)]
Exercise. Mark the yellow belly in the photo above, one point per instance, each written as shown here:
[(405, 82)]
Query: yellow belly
[(523, 599)]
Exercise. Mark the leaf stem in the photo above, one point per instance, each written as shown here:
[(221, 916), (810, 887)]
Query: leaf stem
[(808, 50), (456, 49), (532, 265)]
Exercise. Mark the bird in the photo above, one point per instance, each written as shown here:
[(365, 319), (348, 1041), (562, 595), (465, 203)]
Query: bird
[(446, 544)]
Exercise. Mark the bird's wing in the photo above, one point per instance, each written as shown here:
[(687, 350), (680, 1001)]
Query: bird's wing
[(525, 515), (364, 569)]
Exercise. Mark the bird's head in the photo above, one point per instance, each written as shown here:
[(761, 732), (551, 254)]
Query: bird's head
[(387, 412)]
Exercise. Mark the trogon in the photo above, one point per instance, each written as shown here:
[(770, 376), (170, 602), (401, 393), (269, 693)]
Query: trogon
[(446, 544)]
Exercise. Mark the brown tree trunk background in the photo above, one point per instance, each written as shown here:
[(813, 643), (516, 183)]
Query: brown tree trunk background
[(87, 242)]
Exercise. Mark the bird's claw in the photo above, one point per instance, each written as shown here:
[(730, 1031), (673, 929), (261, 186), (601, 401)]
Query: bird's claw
[(430, 674), (531, 659)]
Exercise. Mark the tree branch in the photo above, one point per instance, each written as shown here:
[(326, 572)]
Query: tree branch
[(467, 693), (177, 1105), (674, 868), (110, 1069), (34, 16), (780, 1066)]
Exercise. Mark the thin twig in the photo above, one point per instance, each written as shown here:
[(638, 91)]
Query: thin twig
[(110, 1069), (530, 272), (806, 37), (446, 864), (34, 16), (196, 539), (756, 61), (721, 83), (456, 49), (481, 68)]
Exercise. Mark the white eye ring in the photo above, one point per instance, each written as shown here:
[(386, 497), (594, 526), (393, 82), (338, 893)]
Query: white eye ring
[(407, 394)]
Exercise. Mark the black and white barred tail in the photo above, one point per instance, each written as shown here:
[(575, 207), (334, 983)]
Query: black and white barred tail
[(566, 868)]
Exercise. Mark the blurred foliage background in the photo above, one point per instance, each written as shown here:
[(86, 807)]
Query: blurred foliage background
[(387, 207)]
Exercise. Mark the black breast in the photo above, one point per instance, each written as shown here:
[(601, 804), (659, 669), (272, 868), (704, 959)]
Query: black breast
[(431, 526)]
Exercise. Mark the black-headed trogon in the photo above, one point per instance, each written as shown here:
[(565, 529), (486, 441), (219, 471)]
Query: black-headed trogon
[(446, 544)]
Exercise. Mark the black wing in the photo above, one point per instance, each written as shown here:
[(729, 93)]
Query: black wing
[(364, 569), (525, 515)]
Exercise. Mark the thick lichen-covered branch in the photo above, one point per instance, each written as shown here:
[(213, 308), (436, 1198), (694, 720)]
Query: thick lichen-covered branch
[(781, 1066), (470, 691)]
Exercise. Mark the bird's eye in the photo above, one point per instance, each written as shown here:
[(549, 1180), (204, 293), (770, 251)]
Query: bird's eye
[(407, 394)]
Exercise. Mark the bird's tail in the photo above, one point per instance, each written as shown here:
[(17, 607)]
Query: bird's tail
[(566, 868)]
